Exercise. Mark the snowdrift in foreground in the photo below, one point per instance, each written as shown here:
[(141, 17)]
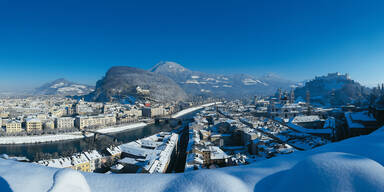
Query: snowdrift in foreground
[(355, 164)]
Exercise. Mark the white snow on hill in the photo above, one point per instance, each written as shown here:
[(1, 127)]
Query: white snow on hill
[(192, 82), (249, 81), (57, 85), (354, 164), (63, 87)]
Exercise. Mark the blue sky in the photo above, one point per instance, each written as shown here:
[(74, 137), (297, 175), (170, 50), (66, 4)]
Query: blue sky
[(79, 40)]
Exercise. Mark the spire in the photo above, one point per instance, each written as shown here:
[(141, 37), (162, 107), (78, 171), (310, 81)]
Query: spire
[(292, 96), (280, 94)]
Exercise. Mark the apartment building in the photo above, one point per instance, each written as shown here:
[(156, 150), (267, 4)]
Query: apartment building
[(33, 124), (153, 111), (65, 123), (82, 122), (12, 126)]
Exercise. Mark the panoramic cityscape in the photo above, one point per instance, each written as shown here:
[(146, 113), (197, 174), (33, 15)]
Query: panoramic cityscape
[(191, 96)]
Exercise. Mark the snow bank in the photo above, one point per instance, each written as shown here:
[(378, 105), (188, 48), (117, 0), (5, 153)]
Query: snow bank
[(332, 171), (355, 164), (69, 180)]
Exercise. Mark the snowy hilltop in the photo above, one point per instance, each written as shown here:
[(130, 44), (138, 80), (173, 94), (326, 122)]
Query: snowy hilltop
[(334, 89), (122, 82), (354, 164), (63, 87)]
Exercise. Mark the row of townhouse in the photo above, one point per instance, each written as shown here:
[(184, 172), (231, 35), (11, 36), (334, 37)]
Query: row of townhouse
[(86, 161), (82, 122)]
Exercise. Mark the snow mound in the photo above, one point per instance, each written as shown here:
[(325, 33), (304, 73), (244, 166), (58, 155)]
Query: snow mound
[(332, 171), (69, 180), (207, 181)]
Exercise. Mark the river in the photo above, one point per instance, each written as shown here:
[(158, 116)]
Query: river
[(66, 148)]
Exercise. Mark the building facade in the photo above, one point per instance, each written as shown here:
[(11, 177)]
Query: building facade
[(33, 124), (82, 122), (13, 126), (65, 123)]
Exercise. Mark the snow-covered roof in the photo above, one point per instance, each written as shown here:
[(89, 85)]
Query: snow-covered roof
[(79, 159), (149, 143), (114, 150), (309, 131), (362, 116), (305, 118), (93, 155), (128, 160), (330, 123), (117, 167), (356, 119), (64, 162), (133, 150), (156, 154), (217, 153), (34, 120)]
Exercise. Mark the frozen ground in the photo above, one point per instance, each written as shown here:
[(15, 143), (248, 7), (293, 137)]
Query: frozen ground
[(355, 164)]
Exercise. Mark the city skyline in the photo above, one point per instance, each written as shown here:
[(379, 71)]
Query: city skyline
[(298, 40)]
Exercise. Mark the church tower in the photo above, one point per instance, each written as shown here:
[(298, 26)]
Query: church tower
[(280, 94), (292, 96)]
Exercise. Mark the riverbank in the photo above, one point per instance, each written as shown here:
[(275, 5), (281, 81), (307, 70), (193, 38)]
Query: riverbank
[(192, 109), (65, 136), (79, 135)]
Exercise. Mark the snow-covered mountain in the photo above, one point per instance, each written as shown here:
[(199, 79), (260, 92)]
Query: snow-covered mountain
[(63, 87), (235, 85), (169, 67), (129, 83), (334, 89)]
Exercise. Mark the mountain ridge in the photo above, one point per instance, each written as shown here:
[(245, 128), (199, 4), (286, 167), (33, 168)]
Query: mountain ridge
[(217, 85)]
